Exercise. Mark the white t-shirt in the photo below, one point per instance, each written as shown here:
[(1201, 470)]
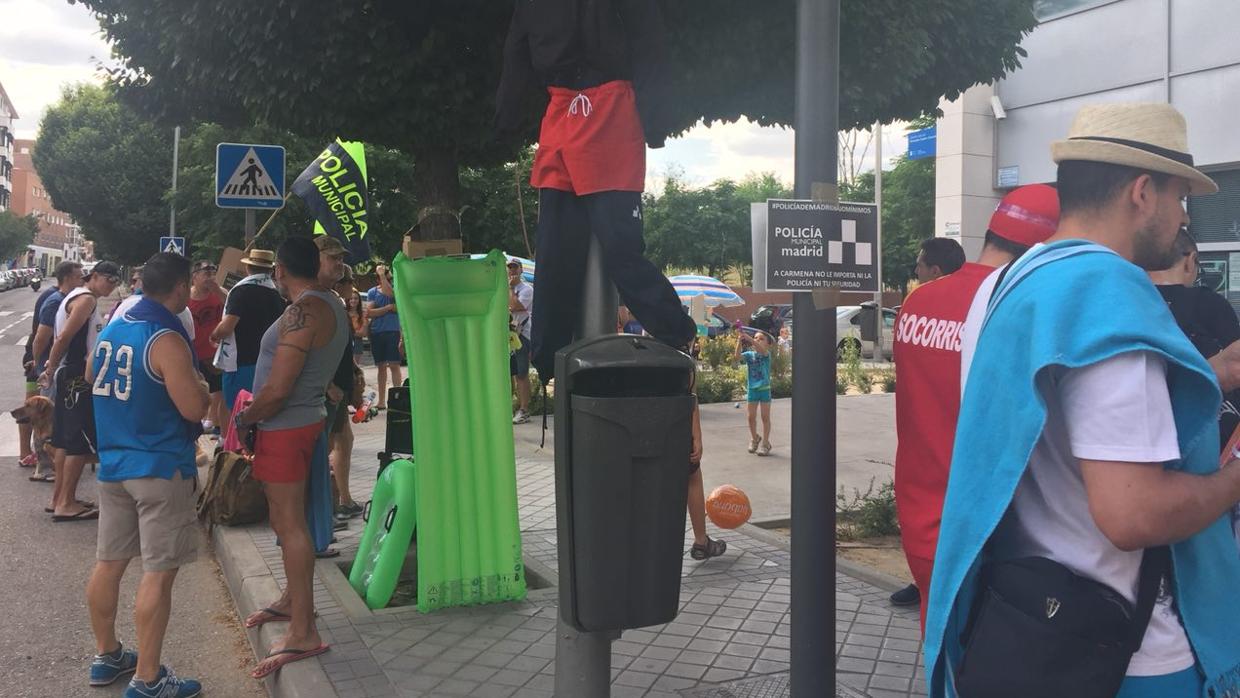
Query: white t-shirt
[(1115, 410), (93, 325), (521, 318), (186, 317), (973, 324)]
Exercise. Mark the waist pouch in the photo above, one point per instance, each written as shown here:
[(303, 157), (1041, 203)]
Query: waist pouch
[(1037, 629)]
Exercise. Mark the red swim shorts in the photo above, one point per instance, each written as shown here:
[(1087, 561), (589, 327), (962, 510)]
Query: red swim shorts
[(591, 141), (283, 455)]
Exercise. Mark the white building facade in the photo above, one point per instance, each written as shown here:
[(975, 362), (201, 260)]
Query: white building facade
[(1184, 52), (8, 114)]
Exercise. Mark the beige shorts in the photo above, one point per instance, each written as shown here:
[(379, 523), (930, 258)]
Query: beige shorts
[(148, 517)]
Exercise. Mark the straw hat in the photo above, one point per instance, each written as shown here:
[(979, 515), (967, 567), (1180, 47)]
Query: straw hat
[(1145, 136), (260, 258)]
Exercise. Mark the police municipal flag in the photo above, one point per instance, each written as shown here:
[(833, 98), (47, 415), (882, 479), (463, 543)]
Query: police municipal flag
[(334, 188)]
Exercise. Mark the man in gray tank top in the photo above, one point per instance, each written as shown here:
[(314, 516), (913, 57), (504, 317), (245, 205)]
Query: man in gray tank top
[(297, 358)]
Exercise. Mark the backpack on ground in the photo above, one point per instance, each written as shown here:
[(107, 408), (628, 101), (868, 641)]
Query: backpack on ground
[(232, 496)]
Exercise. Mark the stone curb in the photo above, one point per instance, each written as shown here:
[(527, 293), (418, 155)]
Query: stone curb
[(252, 587)]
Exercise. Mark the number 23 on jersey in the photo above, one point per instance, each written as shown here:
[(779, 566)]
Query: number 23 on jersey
[(120, 381)]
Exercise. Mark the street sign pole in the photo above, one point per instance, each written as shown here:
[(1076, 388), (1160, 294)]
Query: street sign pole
[(583, 659), (172, 206), (249, 226), (878, 203), (813, 366)]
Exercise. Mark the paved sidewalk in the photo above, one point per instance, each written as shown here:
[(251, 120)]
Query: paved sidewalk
[(732, 630), (865, 450)]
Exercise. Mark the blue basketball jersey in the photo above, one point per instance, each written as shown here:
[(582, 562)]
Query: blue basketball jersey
[(140, 432)]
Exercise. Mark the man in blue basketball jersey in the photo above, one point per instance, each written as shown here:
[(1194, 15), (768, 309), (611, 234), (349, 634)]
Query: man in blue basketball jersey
[(149, 401)]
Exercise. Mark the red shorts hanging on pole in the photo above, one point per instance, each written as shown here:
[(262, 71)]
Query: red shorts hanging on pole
[(591, 141)]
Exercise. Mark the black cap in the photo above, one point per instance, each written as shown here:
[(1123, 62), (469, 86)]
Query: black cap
[(105, 268)]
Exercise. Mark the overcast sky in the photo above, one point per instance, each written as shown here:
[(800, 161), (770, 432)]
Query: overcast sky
[(53, 43)]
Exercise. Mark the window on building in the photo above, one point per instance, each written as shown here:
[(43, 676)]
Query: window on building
[(1216, 219), (1050, 8)]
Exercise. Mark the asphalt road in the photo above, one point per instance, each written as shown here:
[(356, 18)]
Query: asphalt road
[(45, 638)]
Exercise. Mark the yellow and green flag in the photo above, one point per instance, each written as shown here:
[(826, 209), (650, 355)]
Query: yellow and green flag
[(334, 188)]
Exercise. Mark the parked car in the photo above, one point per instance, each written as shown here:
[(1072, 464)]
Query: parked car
[(770, 318), (848, 331), (717, 327)]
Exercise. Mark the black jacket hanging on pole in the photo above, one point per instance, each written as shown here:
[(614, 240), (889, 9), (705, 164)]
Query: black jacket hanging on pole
[(584, 43)]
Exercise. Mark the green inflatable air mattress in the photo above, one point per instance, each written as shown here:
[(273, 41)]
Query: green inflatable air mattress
[(389, 530), (454, 315)]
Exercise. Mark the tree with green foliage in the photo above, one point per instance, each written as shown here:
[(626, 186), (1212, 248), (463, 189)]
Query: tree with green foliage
[(493, 215), (705, 228), (108, 168), (420, 77), (16, 232), (908, 214)]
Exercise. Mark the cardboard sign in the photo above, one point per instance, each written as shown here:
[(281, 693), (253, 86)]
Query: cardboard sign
[(231, 270), (417, 249)]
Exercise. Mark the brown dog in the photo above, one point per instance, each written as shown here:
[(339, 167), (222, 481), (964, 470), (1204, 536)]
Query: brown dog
[(37, 412)]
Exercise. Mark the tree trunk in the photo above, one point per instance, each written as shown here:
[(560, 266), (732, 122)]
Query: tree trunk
[(437, 188)]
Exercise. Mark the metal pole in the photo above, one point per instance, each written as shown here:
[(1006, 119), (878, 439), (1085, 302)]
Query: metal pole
[(249, 227), (583, 659), (878, 204), (813, 366), (172, 205)]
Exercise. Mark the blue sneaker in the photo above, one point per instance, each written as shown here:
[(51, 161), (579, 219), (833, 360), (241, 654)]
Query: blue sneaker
[(168, 686), (107, 668)]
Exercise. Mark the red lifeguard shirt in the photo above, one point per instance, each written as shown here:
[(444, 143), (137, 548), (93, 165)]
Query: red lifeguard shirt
[(927, 357)]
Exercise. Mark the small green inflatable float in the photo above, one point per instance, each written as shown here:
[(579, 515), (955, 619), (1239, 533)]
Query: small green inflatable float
[(389, 530)]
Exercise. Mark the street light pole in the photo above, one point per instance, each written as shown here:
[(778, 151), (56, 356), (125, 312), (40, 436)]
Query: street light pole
[(813, 365)]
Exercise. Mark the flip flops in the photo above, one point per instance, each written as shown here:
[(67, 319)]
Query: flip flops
[(29, 461), (271, 616), (83, 515), (279, 659), (81, 502), (42, 477)]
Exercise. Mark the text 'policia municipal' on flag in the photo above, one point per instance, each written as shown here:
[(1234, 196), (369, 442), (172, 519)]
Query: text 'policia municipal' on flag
[(334, 187)]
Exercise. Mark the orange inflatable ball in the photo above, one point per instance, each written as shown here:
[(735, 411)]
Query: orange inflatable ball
[(728, 506)]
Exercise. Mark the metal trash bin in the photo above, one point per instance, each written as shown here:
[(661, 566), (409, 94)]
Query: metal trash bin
[(622, 443)]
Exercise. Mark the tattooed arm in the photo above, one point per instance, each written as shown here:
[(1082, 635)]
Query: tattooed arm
[(298, 327)]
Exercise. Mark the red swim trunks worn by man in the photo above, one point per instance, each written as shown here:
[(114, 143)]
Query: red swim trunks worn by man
[(927, 358)]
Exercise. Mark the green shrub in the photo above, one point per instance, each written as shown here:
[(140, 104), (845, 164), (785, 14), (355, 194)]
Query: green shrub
[(721, 385), (717, 352), (537, 404), (864, 380), (841, 383), (781, 386), (781, 362), (868, 514), (887, 379), (854, 373)]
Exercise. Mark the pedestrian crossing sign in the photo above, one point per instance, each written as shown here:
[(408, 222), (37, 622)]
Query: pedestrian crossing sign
[(249, 175), (175, 245)]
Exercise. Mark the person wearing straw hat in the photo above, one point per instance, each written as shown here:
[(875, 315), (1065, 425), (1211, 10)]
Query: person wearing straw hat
[(1086, 546), (252, 306)]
